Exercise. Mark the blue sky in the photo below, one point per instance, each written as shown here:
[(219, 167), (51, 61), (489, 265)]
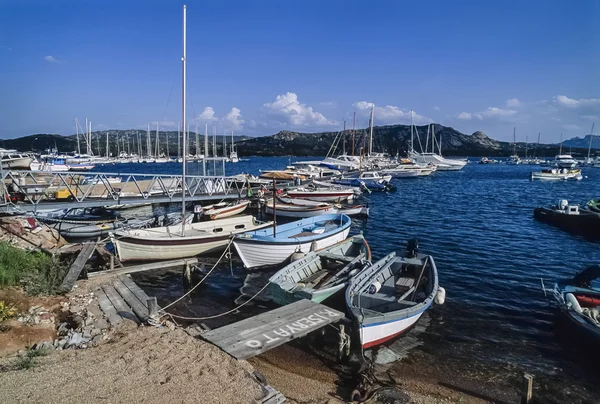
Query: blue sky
[(258, 67)]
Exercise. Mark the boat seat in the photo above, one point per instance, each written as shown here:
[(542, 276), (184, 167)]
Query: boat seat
[(303, 234), (337, 257), (404, 284)]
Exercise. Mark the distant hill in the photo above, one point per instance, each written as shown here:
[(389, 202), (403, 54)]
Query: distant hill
[(582, 143), (392, 139)]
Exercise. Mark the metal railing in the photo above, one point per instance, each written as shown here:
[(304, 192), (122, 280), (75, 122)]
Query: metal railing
[(84, 188)]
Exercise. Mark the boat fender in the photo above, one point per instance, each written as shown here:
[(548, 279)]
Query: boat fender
[(296, 256), (374, 288), (572, 302), (353, 272), (440, 296), (313, 246)]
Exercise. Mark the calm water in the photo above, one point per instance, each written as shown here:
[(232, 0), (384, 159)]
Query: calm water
[(490, 253)]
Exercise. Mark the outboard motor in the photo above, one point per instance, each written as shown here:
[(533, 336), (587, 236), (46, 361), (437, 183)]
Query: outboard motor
[(412, 248), (562, 204)]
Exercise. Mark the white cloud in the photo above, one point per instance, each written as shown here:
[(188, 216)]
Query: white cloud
[(50, 59), (6, 47), (234, 118), (436, 108), (162, 125), (287, 107), (591, 117), (513, 103), (207, 115), (328, 104), (555, 119), (389, 113), (489, 114), (571, 126), (566, 102)]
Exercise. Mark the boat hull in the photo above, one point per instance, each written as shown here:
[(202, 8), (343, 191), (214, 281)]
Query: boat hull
[(298, 211), (378, 333), (227, 211), (586, 224), (255, 253), (333, 196)]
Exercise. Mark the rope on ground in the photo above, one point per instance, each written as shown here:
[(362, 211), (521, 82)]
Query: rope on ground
[(201, 280), (222, 314)]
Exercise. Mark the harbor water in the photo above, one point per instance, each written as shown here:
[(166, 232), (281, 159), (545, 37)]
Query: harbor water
[(491, 256)]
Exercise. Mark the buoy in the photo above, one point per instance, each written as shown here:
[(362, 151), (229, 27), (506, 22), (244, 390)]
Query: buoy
[(440, 296), (572, 301), (374, 288), (296, 256)]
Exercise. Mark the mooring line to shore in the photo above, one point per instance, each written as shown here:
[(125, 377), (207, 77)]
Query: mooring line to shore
[(201, 280)]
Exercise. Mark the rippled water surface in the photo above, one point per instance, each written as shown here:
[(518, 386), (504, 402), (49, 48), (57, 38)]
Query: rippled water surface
[(490, 254)]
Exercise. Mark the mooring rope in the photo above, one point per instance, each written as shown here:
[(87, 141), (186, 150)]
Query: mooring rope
[(201, 280), (221, 314)]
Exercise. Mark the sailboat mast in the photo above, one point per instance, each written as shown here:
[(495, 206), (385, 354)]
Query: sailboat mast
[(178, 141), (371, 135), (77, 133), (344, 140), (411, 133), (107, 153), (514, 141), (526, 146), (157, 142), (148, 148), (183, 106), (353, 130), (205, 139), (232, 141), (591, 137), (560, 149), (197, 141)]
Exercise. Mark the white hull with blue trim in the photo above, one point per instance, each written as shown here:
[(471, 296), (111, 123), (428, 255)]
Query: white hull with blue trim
[(262, 248)]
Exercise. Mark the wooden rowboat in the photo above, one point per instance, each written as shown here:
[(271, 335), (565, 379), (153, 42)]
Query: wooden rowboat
[(224, 209)]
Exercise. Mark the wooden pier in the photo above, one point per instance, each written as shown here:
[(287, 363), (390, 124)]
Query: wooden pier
[(253, 336), (123, 299)]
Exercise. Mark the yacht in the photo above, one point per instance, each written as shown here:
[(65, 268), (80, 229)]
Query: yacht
[(15, 160), (342, 162), (441, 163), (565, 161)]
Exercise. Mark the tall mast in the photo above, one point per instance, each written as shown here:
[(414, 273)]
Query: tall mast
[(371, 135), (148, 147), (205, 139), (197, 141), (224, 144), (232, 140), (107, 152), (526, 139), (77, 132), (178, 141), (514, 141), (183, 106), (560, 149), (344, 139), (411, 133), (353, 130), (591, 137), (157, 142)]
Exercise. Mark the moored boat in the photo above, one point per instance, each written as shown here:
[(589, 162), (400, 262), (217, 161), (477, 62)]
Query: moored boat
[(321, 194), (274, 246), (225, 209), (319, 274), (169, 242), (369, 179), (557, 174), (570, 218), (299, 209), (388, 297)]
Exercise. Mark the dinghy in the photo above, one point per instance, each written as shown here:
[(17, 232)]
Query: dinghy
[(570, 218), (321, 274), (388, 297), (166, 243), (274, 246), (322, 194), (225, 209), (369, 179), (579, 302), (353, 210), (287, 208)]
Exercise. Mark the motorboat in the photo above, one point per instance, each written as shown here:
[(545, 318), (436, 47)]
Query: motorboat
[(353, 210), (557, 174), (570, 218), (369, 179), (299, 208), (321, 194), (342, 162), (275, 245), (319, 274), (578, 300), (442, 163), (565, 161), (388, 297), (15, 161), (173, 242), (514, 160)]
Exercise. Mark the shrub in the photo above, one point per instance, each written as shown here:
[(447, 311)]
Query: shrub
[(6, 311), (37, 272)]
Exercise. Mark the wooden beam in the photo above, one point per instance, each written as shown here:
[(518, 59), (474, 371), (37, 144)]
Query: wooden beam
[(132, 300), (119, 304), (107, 307), (145, 267), (84, 255), (255, 335)]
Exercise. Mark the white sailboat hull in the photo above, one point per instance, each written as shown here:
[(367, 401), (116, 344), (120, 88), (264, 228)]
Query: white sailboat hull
[(255, 254)]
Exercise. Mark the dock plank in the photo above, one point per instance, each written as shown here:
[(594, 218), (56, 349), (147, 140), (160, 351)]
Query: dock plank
[(84, 255), (135, 289), (132, 300), (119, 304), (107, 307), (255, 335), (145, 267)]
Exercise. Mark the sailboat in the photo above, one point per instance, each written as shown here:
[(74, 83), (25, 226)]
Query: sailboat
[(441, 163), (514, 159), (183, 240), (233, 156)]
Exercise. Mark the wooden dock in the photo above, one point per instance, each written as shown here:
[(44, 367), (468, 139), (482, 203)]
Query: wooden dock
[(123, 299), (253, 336)]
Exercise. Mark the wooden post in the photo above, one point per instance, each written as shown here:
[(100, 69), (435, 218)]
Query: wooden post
[(187, 273), (527, 389), (112, 262), (274, 209), (152, 306)]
